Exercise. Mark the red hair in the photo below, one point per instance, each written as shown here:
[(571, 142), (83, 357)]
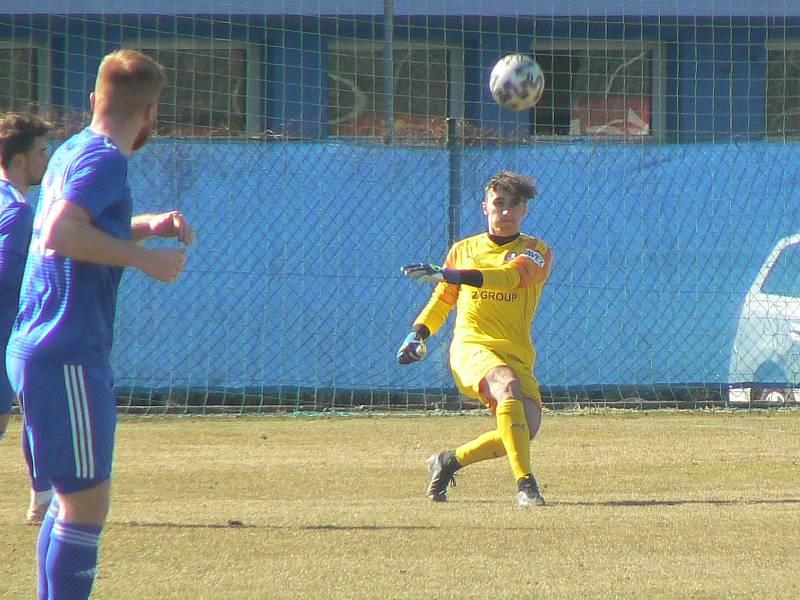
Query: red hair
[(127, 81)]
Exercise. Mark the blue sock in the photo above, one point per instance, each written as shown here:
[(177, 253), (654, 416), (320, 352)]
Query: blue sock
[(43, 545), (72, 560)]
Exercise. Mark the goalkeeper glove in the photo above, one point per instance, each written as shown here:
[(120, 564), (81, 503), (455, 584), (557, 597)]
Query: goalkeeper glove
[(424, 272), (412, 350)]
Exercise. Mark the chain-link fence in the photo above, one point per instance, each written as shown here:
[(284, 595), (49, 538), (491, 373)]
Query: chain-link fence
[(316, 151)]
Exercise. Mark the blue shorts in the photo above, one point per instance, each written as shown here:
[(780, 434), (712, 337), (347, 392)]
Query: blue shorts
[(70, 418)]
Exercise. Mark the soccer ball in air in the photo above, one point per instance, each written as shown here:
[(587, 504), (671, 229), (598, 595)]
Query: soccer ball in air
[(517, 82)]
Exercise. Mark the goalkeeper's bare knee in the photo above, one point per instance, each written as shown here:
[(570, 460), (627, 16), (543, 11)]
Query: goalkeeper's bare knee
[(503, 384)]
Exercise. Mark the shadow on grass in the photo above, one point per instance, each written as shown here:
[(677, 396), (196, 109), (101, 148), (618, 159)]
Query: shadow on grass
[(635, 503), (239, 525), (709, 501), (234, 524)]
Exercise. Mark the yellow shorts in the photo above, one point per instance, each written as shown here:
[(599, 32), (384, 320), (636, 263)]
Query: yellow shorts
[(471, 362)]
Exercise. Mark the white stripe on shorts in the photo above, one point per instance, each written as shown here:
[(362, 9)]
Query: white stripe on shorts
[(79, 421), (87, 420)]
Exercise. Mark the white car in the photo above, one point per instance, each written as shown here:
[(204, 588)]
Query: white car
[(765, 362)]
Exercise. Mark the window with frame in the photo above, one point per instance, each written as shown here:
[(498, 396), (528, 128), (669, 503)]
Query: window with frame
[(20, 80), (784, 275), (607, 90), (783, 92), (356, 96), (207, 89)]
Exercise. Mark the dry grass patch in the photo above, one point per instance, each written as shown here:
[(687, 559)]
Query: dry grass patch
[(641, 505)]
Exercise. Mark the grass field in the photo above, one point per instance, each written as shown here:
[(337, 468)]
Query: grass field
[(641, 505)]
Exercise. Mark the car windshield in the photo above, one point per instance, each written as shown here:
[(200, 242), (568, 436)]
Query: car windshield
[(784, 276)]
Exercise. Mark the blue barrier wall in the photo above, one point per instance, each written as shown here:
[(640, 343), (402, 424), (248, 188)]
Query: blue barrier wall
[(299, 248), (655, 247), (300, 244)]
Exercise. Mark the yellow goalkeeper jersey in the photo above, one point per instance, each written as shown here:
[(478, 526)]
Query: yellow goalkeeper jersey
[(499, 314)]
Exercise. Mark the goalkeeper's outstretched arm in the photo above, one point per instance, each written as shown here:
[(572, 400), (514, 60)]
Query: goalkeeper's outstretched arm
[(530, 267)]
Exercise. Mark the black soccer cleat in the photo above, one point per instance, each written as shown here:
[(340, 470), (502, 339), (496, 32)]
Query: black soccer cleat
[(442, 474), (528, 494)]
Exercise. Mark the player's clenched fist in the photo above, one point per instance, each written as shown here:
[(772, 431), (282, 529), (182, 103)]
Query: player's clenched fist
[(412, 350), (172, 224), (164, 264)]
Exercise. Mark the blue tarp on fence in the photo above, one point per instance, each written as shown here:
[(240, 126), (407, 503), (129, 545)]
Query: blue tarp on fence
[(294, 280)]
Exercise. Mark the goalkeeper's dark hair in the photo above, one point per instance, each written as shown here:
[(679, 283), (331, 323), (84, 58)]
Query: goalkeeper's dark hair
[(520, 187), (18, 132)]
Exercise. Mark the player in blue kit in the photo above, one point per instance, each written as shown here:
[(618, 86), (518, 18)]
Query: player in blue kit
[(58, 355), (23, 159)]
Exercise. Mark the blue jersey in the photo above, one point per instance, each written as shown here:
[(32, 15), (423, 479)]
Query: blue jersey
[(67, 306), (16, 220)]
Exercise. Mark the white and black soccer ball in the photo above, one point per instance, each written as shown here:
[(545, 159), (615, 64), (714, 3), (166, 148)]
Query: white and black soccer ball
[(517, 82)]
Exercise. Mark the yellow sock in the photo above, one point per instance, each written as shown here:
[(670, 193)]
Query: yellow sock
[(486, 446), (513, 430)]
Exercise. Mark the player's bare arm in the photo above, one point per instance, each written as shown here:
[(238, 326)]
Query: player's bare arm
[(68, 230), (168, 224)]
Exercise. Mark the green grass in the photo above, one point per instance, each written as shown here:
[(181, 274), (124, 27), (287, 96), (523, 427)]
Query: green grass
[(641, 505)]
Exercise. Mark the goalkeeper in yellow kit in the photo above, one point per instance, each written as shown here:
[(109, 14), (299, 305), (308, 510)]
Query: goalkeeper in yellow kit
[(495, 280)]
